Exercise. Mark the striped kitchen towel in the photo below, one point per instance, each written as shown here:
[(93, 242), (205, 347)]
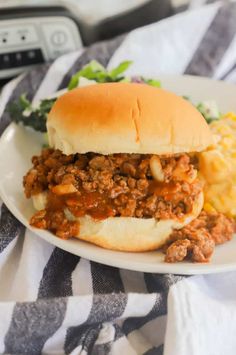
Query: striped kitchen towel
[(53, 302)]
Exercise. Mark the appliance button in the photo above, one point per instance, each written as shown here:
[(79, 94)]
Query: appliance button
[(5, 61), (33, 56), (58, 38), (6, 58), (18, 57)]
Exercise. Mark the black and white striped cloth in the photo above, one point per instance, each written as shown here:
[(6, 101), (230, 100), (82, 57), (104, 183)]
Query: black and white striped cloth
[(53, 302)]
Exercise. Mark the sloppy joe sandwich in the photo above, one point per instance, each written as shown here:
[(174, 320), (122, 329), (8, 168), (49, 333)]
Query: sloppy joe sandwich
[(121, 170)]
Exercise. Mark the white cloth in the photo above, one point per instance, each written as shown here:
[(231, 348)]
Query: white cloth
[(202, 316)]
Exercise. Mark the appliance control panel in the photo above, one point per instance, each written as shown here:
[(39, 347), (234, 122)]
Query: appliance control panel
[(25, 42)]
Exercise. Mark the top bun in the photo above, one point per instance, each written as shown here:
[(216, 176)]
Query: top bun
[(126, 118)]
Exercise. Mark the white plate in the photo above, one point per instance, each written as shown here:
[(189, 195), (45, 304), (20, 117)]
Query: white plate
[(17, 145)]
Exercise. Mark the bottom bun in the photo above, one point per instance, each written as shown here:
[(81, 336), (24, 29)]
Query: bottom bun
[(129, 233)]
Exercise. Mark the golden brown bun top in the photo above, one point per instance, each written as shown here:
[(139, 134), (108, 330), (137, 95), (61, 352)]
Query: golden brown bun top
[(126, 118)]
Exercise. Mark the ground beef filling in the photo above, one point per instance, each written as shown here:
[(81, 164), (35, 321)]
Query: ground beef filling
[(197, 240), (126, 185)]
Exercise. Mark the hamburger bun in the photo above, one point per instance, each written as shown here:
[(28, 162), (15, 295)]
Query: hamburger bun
[(126, 118)]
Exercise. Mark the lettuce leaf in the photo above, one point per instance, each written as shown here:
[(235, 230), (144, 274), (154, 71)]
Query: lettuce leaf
[(96, 71)]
